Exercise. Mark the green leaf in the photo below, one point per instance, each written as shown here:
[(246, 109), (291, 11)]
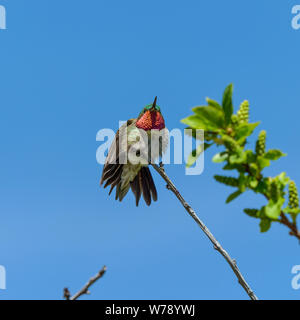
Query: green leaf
[(220, 157), (274, 154), (238, 158), (227, 103), (237, 167), (251, 158), (194, 155), (213, 103), (253, 168), (230, 143), (233, 196), (283, 179), (191, 132), (228, 181), (263, 186), (207, 145), (210, 136), (244, 130), (252, 212), (195, 122), (265, 225), (253, 183), (273, 209), (263, 162), (294, 212), (242, 182), (212, 116)]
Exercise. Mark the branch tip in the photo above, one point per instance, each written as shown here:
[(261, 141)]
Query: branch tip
[(85, 289)]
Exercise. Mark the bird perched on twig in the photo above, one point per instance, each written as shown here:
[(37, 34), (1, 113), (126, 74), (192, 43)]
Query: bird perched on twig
[(137, 143)]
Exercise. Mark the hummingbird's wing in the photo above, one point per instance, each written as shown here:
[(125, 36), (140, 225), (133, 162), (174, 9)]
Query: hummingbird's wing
[(112, 169), (141, 184)]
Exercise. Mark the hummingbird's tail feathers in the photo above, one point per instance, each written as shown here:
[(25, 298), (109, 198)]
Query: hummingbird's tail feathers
[(150, 183), (124, 177), (145, 186), (122, 191), (136, 189)]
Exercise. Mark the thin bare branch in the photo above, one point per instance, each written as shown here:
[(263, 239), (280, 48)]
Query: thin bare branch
[(215, 243), (85, 289)]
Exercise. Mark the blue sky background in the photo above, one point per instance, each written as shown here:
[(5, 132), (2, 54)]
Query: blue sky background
[(70, 68)]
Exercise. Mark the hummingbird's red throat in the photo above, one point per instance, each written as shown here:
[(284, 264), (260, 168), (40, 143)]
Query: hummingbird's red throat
[(151, 120)]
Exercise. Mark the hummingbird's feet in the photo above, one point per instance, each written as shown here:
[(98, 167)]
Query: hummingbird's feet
[(161, 165)]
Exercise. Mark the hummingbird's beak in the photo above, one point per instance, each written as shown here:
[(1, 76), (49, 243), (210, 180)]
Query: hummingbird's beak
[(154, 103)]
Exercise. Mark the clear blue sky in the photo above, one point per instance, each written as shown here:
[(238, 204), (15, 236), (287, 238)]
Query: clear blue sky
[(70, 68)]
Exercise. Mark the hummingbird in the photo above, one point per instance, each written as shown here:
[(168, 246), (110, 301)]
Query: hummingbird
[(130, 137)]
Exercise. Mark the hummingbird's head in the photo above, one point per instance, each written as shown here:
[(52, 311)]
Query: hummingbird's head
[(151, 118)]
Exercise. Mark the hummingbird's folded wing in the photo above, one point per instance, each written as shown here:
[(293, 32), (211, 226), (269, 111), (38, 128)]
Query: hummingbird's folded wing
[(112, 169)]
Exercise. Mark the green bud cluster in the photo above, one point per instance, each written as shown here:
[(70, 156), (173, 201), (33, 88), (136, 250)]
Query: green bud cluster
[(293, 195), (229, 181), (234, 119), (243, 113), (260, 147)]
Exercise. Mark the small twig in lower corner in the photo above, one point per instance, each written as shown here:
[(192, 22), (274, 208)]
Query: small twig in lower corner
[(67, 294), (85, 289)]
